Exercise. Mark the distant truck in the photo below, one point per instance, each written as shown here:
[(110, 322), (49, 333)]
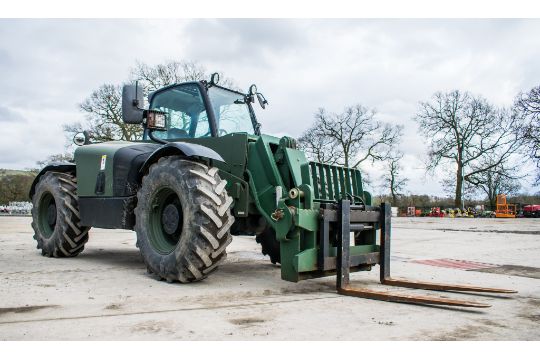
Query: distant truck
[(531, 211)]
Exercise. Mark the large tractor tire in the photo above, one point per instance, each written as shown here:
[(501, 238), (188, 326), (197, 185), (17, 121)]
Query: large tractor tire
[(56, 218), (183, 219), (269, 245)]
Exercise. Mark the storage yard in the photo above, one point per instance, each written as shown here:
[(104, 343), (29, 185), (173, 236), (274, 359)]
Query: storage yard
[(105, 292)]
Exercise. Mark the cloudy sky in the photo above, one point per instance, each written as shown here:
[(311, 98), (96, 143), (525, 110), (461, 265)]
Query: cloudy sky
[(47, 67)]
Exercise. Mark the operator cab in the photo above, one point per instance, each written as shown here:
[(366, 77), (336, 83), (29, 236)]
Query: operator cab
[(202, 109)]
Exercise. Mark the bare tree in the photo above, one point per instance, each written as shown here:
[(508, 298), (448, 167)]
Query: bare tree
[(466, 131), (349, 138), (320, 148), (448, 180), (497, 180), (527, 105), (103, 109), (171, 72), (392, 179), (65, 157)]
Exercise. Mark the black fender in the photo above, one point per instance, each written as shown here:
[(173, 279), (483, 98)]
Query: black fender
[(180, 148), (62, 167)]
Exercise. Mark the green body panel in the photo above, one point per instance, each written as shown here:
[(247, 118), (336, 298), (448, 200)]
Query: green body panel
[(88, 159), (264, 177), (233, 149), (306, 261), (299, 167)]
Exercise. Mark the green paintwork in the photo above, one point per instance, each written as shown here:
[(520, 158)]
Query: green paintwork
[(161, 241), (88, 160), (306, 260), (233, 149), (298, 165), (336, 182), (307, 219), (255, 168)]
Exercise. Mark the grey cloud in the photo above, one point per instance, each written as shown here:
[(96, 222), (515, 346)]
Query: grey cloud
[(5, 59), (243, 40), (8, 115), (47, 67)]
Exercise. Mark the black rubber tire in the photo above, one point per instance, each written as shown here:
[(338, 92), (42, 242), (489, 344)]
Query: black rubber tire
[(66, 238), (269, 245), (206, 220)]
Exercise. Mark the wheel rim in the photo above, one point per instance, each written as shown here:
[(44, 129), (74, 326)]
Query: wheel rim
[(47, 214), (165, 220)]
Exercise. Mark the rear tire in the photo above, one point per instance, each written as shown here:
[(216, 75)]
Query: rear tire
[(56, 218), (183, 219), (269, 244)]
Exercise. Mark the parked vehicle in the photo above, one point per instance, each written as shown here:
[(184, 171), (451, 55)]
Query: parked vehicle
[(531, 211)]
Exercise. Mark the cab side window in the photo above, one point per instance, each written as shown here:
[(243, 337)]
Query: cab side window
[(186, 113)]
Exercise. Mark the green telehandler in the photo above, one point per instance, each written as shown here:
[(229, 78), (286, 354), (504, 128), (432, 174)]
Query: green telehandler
[(203, 172)]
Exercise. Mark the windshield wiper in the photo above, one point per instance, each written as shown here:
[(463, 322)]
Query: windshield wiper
[(239, 101)]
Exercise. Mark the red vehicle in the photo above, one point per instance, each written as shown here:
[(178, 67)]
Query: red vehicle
[(436, 212), (531, 211)]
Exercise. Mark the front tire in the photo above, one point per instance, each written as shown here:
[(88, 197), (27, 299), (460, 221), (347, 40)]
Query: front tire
[(183, 219), (55, 216)]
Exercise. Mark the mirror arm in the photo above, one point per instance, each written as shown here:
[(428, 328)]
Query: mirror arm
[(136, 100), (262, 100), (152, 137)]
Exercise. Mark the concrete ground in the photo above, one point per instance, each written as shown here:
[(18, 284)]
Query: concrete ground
[(105, 293)]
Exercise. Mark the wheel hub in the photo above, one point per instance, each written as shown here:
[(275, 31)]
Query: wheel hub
[(46, 214), (166, 220), (170, 219), (51, 214)]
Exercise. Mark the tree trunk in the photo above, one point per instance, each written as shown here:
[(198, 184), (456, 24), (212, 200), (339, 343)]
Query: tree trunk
[(458, 202), (493, 203), (392, 189), (492, 197)]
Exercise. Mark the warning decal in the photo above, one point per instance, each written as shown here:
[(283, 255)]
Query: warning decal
[(103, 162)]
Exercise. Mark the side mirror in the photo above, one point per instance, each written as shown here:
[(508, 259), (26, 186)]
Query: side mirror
[(79, 139), (262, 100), (82, 138), (214, 79), (132, 104)]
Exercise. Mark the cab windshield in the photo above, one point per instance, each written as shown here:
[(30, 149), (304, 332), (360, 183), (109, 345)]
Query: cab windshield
[(231, 111), (187, 117)]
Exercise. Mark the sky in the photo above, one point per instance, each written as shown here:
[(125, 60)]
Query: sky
[(47, 67)]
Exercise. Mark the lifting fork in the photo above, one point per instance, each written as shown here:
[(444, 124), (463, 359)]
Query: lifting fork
[(343, 268)]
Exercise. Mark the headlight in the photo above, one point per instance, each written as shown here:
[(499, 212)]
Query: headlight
[(156, 120)]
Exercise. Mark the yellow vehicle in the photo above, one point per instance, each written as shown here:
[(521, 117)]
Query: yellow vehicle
[(468, 213)]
